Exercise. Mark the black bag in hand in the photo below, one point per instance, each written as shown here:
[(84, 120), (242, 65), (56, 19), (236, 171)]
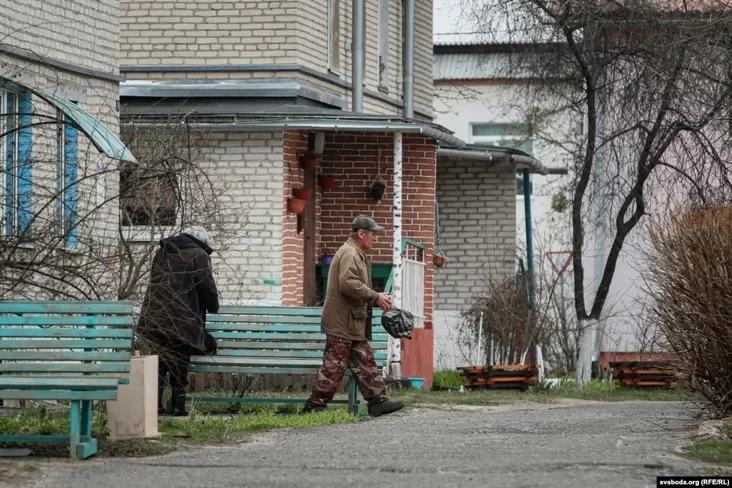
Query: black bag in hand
[(398, 323)]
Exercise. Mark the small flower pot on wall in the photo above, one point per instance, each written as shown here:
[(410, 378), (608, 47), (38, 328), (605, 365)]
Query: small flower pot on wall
[(296, 206), (309, 163), (326, 182), (377, 190), (302, 193), (439, 260)]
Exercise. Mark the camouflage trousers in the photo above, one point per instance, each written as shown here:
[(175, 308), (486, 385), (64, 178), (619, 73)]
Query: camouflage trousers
[(340, 354)]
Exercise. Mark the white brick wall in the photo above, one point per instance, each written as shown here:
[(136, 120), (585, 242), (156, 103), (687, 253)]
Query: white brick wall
[(477, 229), (266, 32), (248, 170), (208, 32), (81, 32)]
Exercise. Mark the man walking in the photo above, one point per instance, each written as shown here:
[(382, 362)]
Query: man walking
[(173, 319), (345, 321)]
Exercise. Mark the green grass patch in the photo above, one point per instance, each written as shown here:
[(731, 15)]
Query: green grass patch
[(449, 382), (198, 429), (447, 379), (718, 452)]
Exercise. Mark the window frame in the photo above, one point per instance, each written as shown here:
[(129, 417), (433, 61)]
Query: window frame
[(67, 191), (513, 132), (334, 36), (383, 74)]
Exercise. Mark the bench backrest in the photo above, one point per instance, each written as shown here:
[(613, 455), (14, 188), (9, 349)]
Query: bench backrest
[(65, 338), (279, 332)]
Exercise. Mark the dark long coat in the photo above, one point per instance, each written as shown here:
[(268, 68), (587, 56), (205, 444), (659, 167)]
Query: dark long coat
[(181, 290)]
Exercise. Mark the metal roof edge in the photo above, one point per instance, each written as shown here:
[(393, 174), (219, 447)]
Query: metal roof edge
[(273, 88), (519, 158)]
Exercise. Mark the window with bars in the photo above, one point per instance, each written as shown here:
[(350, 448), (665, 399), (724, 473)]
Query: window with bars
[(334, 35), (16, 141), (67, 170), (513, 136)]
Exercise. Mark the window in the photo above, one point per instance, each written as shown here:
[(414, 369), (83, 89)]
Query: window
[(66, 181), (334, 35), (148, 196), (514, 136), (384, 45), (16, 116)]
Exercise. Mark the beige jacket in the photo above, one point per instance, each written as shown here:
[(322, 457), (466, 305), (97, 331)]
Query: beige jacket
[(349, 294)]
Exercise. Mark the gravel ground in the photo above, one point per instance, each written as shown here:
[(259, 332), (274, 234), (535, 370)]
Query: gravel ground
[(574, 443)]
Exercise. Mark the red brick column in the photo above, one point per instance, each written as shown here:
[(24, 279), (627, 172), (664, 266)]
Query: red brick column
[(353, 160), (294, 145)]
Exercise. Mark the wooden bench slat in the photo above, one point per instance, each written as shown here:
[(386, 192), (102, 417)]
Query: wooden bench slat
[(268, 345), (280, 336), (66, 307), (96, 395), (248, 326), (277, 354), (76, 333), (239, 361), (88, 320), (273, 310), (195, 368), (254, 319), (63, 356), (47, 367), (56, 383), (267, 310), (264, 320), (65, 344)]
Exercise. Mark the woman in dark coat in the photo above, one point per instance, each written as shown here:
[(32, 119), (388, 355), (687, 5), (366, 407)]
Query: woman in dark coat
[(173, 318)]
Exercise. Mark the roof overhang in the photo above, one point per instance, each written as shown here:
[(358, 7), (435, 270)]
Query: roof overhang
[(103, 139), (496, 155), (346, 124), (231, 90)]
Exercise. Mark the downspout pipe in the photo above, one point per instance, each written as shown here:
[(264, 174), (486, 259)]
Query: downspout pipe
[(409, 60), (357, 57), (529, 237)]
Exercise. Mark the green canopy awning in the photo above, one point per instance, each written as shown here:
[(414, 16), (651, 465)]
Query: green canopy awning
[(102, 138)]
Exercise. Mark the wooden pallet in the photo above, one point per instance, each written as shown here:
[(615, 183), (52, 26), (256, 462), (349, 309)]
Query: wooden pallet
[(645, 374), (501, 376)]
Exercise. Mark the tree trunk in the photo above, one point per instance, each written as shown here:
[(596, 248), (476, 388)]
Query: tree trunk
[(586, 349)]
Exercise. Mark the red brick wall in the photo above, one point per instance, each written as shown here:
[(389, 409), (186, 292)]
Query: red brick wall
[(294, 145), (352, 159)]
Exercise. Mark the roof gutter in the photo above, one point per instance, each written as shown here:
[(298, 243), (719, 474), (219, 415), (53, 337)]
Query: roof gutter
[(531, 163), (320, 124)]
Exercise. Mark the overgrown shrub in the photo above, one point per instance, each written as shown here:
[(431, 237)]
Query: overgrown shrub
[(690, 280), (507, 322)]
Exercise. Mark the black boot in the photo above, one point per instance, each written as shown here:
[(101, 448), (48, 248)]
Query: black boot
[(311, 407), (386, 407), (179, 402)]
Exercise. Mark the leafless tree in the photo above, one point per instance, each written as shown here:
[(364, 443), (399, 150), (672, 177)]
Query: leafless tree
[(649, 82)]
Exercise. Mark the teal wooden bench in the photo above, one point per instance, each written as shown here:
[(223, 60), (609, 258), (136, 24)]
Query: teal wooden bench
[(75, 351), (275, 340)]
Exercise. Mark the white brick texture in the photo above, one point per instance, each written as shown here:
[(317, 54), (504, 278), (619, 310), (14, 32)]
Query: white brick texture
[(80, 32), (266, 32), (248, 170), (477, 206)]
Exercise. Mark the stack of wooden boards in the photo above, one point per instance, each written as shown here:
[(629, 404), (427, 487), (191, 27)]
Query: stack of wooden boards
[(645, 374), (501, 377)]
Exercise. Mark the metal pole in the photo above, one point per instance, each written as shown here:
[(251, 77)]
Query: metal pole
[(529, 237), (396, 355), (409, 60), (357, 56)]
